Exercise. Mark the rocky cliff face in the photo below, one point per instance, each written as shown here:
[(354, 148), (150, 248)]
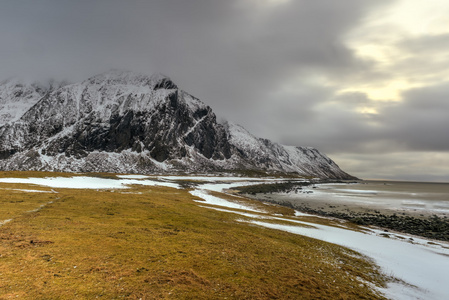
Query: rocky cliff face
[(131, 123)]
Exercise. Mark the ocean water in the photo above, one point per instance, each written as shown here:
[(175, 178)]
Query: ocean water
[(415, 198)]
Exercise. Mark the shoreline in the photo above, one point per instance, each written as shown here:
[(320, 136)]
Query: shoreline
[(423, 224)]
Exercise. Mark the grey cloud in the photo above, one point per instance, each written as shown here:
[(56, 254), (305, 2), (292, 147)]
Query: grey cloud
[(414, 166), (422, 59), (336, 126), (251, 64), (421, 122), (218, 43), (418, 123), (425, 44)]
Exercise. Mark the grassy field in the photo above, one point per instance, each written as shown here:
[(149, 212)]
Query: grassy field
[(157, 243)]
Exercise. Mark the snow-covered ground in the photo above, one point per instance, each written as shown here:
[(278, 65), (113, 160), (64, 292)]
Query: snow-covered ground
[(422, 267), (86, 182), (219, 201), (133, 176)]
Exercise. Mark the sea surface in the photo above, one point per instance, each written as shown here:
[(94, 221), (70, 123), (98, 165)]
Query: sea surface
[(411, 198)]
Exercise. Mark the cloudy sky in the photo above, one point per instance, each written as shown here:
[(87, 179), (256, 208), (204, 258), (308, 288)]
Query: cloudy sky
[(364, 81)]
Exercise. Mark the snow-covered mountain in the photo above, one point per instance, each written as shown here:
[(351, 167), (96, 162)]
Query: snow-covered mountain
[(132, 123), (18, 96)]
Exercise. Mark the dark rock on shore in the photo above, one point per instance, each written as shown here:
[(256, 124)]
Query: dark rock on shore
[(433, 227), (272, 187)]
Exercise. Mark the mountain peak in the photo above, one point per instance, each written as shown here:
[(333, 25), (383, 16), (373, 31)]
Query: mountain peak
[(116, 76), (125, 77)]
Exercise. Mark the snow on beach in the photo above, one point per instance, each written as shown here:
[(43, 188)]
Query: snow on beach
[(422, 267)]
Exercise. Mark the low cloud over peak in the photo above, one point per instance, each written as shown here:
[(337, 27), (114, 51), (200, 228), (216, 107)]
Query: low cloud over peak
[(349, 77)]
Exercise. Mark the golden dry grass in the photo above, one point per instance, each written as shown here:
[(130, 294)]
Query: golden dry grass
[(157, 243)]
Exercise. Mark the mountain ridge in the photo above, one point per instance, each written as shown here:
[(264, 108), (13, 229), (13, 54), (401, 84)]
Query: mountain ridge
[(125, 122)]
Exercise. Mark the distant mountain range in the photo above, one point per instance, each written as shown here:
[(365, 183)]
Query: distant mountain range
[(125, 122)]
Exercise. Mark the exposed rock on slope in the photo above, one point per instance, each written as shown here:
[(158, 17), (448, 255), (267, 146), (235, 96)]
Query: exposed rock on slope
[(132, 123)]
